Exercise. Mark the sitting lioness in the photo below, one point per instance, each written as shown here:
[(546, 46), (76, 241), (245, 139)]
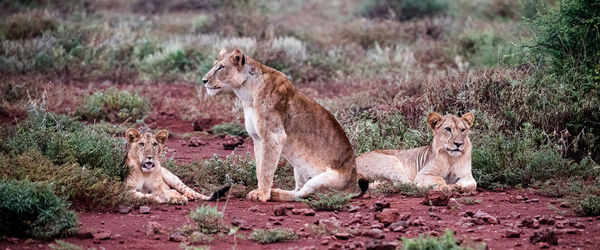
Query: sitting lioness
[(283, 121), (446, 163), (146, 176)]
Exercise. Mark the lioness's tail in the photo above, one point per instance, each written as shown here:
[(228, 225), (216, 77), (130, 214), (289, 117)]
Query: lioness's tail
[(363, 184), (220, 192)]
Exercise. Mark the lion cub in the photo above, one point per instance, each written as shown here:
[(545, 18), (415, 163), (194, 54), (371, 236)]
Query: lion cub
[(148, 178), (283, 121), (446, 163)]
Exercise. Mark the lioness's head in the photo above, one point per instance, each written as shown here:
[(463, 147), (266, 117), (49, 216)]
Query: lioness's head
[(146, 147), (227, 72), (451, 133)]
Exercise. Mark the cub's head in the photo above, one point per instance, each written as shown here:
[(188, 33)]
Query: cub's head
[(144, 148), (227, 72), (451, 133)]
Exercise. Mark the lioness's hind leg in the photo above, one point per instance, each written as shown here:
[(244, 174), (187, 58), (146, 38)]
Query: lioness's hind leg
[(328, 179)]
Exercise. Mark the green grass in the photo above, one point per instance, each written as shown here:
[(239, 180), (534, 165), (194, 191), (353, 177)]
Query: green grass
[(30, 209), (330, 201), (63, 245), (114, 105), (446, 242), (273, 235), (589, 205), (208, 219), (233, 129), (407, 189)]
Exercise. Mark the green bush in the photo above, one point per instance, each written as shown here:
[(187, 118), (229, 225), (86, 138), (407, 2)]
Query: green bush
[(208, 218), (589, 205), (27, 25), (328, 201), (408, 189), (403, 9), (29, 209), (230, 128), (273, 235), (446, 242), (114, 105), (487, 49), (64, 140)]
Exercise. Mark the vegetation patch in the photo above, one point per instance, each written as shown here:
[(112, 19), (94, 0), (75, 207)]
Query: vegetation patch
[(407, 189), (208, 218), (329, 201), (231, 128), (114, 105), (273, 235), (30, 209), (446, 241)]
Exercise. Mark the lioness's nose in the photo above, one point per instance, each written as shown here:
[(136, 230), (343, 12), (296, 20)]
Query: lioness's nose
[(458, 144), (149, 157), (204, 80)]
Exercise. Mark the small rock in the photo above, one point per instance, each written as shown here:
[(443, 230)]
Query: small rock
[(546, 220), (195, 142), (85, 235), (534, 200), (436, 198), (544, 235), (144, 209), (542, 245), (399, 226), (453, 204), (330, 223), (390, 215), (308, 212), (353, 209), (515, 215), (242, 224), (381, 204), (157, 237), (336, 245), (288, 206), (325, 242), (154, 228), (342, 236), (576, 224), (486, 217), (253, 209), (177, 237), (374, 233), (511, 233), (565, 205), (560, 224), (124, 209), (232, 142), (381, 245), (279, 210), (102, 236)]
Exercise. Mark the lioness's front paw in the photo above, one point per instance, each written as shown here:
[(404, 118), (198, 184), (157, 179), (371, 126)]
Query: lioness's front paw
[(260, 195), (178, 199)]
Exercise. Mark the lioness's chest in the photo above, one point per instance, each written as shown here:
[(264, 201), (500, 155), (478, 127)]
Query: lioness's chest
[(251, 122)]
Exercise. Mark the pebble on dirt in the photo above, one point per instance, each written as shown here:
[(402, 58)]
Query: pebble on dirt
[(124, 209), (380, 245), (512, 233), (280, 210), (144, 209), (177, 237), (436, 198), (544, 235)]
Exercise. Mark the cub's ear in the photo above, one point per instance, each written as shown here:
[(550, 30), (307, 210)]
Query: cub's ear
[(162, 136), (238, 59), (222, 52), (433, 119), (132, 135), (469, 118)]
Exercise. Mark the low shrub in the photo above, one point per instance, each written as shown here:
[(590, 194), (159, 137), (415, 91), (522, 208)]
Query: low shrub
[(63, 245), (27, 25), (114, 105), (328, 201), (487, 49), (208, 218), (407, 189), (446, 241), (29, 209), (231, 128), (273, 235), (402, 9), (589, 205)]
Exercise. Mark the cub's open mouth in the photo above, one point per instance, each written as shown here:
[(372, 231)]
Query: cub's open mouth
[(148, 165)]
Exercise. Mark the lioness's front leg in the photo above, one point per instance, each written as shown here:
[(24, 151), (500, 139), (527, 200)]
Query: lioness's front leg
[(467, 183), (430, 175), (267, 155)]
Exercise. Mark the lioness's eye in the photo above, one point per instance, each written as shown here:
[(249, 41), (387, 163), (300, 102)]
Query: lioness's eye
[(463, 130), (220, 67), (141, 144), (155, 144), (449, 129)]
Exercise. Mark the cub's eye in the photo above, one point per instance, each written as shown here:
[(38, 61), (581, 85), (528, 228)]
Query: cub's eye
[(448, 129), (463, 130), (155, 144), (220, 67), (141, 144)]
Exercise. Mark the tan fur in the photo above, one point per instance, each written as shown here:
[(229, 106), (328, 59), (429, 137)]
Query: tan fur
[(157, 182), (446, 163), (283, 121)]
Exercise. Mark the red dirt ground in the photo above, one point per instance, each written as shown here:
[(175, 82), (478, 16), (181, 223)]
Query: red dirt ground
[(130, 230)]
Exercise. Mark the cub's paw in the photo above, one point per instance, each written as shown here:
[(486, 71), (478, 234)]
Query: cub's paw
[(178, 199), (259, 195), (194, 195)]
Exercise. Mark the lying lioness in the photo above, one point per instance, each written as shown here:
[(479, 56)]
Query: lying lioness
[(146, 176), (283, 121), (446, 163)]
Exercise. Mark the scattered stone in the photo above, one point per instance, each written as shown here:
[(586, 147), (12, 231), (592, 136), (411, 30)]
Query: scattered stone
[(565, 205), (527, 223), (102, 236), (325, 242), (576, 224), (288, 206), (390, 215), (177, 237), (434, 216), (544, 235), (418, 222), (546, 220), (330, 223), (195, 142), (353, 209), (144, 209), (157, 237), (85, 235), (436, 198), (232, 142), (124, 209), (381, 245), (253, 209), (453, 204), (560, 224), (154, 228), (242, 224), (308, 212), (342, 236), (399, 226), (336, 245), (512, 233), (515, 215), (534, 200), (374, 233), (303, 234), (486, 217), (381, 204), (279, 210)]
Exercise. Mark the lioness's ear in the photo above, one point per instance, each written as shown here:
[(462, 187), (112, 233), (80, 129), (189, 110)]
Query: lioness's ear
[(132, 135), (161, 136), (238, 59), (433, 119), (222, 52), (469, 119)]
